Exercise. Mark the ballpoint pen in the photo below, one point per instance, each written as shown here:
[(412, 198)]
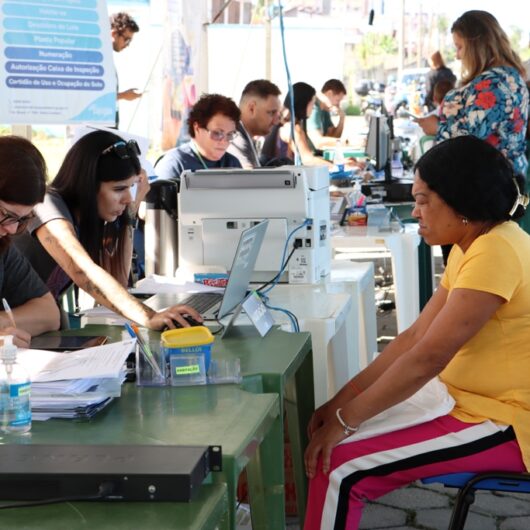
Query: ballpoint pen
[(9, 312), (148, 354)]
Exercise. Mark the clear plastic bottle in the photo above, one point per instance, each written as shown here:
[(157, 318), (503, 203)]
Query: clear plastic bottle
[(338, 157), (15, 390), (357, 197)]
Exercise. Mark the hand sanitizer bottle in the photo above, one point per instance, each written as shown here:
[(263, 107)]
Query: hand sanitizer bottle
[(15, 387)]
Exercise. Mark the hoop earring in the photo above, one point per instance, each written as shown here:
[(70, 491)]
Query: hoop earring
[(465, 220)]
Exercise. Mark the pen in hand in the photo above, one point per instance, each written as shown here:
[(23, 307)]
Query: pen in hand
[(9, 312)]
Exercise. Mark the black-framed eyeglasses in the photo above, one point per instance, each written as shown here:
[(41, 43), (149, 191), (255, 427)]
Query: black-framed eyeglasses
[(9, 218), (126, 40), (218, 135), (123, 149)]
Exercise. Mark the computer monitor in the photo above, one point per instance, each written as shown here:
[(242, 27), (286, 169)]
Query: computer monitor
[(216, 205), (379, 144)]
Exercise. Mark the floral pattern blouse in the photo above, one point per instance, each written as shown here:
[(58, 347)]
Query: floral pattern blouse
[(494, 107)]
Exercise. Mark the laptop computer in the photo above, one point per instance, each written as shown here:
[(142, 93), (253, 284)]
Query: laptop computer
[(214, 306)]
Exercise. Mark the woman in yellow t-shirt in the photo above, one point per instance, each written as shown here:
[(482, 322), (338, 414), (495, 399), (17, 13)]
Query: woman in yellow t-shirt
[(474, 333)]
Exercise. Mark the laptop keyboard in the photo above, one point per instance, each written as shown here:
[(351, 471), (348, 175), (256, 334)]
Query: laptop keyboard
[(201, 302)]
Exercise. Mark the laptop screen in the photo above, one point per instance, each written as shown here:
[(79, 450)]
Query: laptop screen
[(242, 267)]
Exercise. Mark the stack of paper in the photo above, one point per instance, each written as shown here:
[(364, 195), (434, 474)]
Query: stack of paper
[(75, 384)]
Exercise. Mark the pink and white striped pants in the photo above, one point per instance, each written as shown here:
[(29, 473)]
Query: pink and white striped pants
[(368, 469)]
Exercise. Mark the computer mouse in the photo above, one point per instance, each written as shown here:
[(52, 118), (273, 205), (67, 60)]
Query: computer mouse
[(190, 320)]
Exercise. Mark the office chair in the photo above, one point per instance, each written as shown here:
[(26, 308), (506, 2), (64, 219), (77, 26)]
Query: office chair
[(468, 483)]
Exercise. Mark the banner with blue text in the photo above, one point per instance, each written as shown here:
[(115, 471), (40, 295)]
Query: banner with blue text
[(56, 62)]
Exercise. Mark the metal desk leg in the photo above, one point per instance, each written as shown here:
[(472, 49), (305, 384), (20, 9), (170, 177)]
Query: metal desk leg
[(299, 406), (230, 476), (266, 481)]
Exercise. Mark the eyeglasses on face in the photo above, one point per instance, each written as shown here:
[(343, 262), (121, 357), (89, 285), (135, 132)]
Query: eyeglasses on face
[(218, 135), (126, 40), (123, 149), (9, 218)]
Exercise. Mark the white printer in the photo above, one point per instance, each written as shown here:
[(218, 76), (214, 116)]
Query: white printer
[(216, 205)]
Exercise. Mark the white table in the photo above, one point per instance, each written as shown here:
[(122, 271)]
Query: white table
[(403, 247), (357, 279), (326, 316)]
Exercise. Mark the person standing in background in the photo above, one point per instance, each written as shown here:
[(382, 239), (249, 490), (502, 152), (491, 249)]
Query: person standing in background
[(320, 128), (439, 72), (122, 30), (492, 101), (260, 111)]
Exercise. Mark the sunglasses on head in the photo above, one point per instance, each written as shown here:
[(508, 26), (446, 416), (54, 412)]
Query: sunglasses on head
[(123, 149)]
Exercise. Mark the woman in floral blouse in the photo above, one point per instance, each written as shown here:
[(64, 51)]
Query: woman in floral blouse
[(492, 100)]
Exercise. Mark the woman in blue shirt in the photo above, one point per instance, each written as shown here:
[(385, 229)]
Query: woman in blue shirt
[(212, 124)]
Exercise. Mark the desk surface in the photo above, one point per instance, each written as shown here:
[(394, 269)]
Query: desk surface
[(209, 415), (278, 363), (278, 353), (207, 512), (221, 415)]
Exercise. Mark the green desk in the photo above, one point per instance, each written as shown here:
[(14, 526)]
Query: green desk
[(246, 425), (279, 363), (208, 511)]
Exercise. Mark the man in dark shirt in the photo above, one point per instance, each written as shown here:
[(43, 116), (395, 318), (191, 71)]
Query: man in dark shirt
[(260, 110)]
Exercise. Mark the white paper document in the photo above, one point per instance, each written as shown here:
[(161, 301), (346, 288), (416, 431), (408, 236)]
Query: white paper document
[(156, 284), (104, 361)]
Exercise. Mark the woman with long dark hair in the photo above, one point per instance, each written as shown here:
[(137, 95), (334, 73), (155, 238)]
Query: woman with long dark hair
[(82, 232), (22, 186), (304, 96)]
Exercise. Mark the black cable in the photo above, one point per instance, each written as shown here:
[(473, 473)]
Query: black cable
[(259, 289), (221, 327), (105, 489)]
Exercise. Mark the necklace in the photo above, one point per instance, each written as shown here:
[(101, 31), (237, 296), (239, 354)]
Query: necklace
[(197, 154)]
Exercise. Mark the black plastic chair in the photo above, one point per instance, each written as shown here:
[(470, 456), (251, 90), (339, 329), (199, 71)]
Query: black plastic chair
[(468, 483)]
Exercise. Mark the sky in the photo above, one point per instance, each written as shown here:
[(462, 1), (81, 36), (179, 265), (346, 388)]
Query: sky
[(507, 12)]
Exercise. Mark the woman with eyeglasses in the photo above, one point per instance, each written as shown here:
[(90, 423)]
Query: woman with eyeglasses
[(22, 186), (212, 125), (82, 232)]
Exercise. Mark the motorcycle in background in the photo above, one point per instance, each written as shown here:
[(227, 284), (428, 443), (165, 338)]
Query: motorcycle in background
[(372, 97)]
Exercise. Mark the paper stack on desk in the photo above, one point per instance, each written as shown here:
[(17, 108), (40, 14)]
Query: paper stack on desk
[(75, 384)]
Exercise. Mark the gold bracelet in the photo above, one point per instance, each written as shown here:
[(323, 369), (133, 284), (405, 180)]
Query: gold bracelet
[(348, 429)]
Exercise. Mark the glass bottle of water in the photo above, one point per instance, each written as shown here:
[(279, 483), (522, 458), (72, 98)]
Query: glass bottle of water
[(15, 389)]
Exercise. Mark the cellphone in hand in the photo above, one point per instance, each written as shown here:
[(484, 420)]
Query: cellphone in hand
[(410, 114)]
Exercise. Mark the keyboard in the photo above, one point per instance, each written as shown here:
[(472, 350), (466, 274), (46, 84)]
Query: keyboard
[(201, 302)]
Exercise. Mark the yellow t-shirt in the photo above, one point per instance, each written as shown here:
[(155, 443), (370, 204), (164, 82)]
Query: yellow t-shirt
[(489, 377)]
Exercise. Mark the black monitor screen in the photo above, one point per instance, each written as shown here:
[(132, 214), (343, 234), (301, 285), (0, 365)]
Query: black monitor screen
[(378, 143)]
